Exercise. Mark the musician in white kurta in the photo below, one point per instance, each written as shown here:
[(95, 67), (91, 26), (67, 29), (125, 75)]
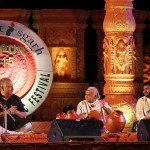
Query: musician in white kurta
[(143, 103), (92, 102)]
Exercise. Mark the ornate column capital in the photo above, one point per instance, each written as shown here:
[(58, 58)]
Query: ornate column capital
[(119, 17)]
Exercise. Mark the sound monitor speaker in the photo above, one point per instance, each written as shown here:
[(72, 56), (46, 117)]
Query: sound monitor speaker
[(72, 130), (143, 132)]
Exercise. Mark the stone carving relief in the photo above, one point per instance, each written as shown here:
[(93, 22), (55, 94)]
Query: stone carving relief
[(64, 63), (119, 55), (61, 65), (108, 64)]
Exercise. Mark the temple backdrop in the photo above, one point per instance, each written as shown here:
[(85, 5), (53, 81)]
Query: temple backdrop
[(78, 35)]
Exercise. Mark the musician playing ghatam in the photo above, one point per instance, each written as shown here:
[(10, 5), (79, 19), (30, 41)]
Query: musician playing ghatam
[(92, 102)]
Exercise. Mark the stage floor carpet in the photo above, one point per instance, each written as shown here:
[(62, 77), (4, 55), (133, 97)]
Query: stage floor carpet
[(76, 146), (38, 141)]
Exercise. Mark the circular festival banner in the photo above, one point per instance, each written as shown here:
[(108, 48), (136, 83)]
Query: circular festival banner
[(25, 59)]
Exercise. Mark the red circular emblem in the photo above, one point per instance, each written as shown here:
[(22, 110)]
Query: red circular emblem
[(17, 63)]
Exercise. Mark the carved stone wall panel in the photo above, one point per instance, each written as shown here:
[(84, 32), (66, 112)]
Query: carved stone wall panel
[(80, 65), (17, 15), (80, 38), (61, 37), (42, 32), (65, 30), (68, 90), (68, 18), (80, 55)]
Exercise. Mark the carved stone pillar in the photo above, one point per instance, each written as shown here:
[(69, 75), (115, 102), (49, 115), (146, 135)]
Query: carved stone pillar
[(119, 57)]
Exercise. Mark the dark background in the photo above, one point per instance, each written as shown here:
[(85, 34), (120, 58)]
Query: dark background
[(67, 4)]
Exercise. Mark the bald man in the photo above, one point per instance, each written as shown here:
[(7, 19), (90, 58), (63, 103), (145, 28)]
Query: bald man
[(17, 124)]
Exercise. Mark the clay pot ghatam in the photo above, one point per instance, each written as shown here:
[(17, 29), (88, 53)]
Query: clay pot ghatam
[(71, 114), (61, 115), (115, 121)]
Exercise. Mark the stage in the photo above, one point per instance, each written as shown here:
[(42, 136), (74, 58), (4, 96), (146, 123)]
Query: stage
[(121, 141), (38, 140), (77, 146)]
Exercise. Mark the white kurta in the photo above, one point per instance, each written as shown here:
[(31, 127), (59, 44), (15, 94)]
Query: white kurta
[(86, 107), (143, 108)]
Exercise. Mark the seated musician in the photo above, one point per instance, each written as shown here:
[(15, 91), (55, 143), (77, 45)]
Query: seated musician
[(92, 103), (16, 120), (143, 106)]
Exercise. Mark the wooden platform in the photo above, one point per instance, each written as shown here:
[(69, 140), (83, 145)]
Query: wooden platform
[(41, 127), (40, 130), (38, 141), (76, 146)]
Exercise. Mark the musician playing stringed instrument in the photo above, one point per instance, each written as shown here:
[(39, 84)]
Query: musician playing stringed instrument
[(92, 107)]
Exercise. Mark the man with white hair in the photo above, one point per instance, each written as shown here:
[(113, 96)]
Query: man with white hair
[(92, 102)]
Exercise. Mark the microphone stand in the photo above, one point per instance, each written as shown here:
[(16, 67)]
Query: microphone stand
[(5, 117)]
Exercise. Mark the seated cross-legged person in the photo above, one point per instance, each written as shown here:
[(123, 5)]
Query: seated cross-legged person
[(143, 106), (16, 121)]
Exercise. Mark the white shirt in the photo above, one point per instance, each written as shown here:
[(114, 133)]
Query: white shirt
[(86, 107), (142, 108)]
